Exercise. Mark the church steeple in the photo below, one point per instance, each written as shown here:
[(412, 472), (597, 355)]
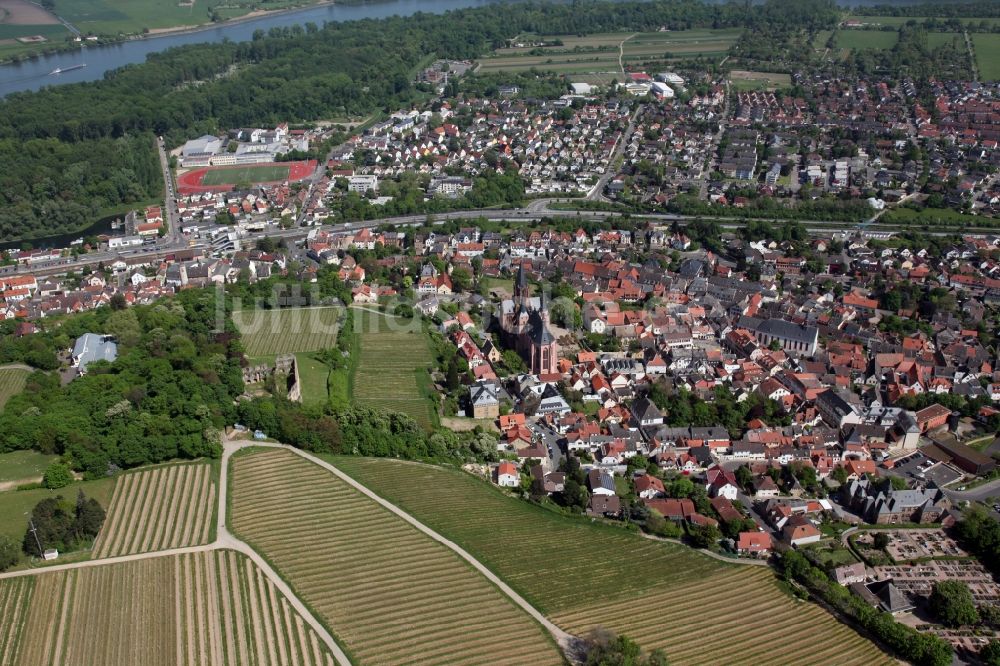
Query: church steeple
[(521, 285)]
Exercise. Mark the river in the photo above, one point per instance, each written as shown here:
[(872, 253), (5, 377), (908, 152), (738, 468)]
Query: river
[(34, 74)]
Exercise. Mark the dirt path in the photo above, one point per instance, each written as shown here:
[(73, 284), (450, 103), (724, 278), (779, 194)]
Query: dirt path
[(565, 640), (621, 55)]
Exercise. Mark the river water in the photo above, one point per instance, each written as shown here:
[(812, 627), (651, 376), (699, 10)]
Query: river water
[(34, 74)]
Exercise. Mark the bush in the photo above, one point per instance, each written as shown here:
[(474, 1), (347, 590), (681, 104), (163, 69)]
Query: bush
[(58, 475)]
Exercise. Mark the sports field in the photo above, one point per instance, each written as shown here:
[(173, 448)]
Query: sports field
[(287, 330), (749, 80), (583, 575), (162, 508), (987, 47), (203, 608), (12, 382), (391, 594), (245, 174), (392, 370), (224, 178)]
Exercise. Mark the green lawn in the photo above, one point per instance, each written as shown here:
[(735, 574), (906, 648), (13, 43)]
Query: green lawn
[(938, 39), (313, 377), (866, 39), (987, 47), (894, 21), (247, 174), (392, 368), (27, 464), (15, 505)]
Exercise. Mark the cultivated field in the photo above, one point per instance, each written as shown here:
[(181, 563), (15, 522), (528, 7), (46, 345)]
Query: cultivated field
[(203, 608), (878, 21), (162, 508), (287, 330), (598, 53), (14, 598), (12, 382), (392, 367), (245, 174), (391, 594), (987, 47), (22, 12), (584, 575)]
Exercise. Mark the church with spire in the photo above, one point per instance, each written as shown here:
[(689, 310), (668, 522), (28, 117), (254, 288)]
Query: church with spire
[(524, 327)]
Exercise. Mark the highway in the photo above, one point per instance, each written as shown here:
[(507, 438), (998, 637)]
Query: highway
[(535, 211)]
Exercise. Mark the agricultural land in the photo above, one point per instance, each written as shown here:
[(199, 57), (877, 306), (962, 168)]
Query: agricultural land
[(599, 53), (268, 333), (987, 46), (158, 509), (12, 380), (390, 593), (25, 25), (391, 371), (201, 608), (677, 584)]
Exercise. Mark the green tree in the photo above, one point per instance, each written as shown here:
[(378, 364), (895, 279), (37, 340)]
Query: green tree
[(881, 540), (57, 475), (9, 553), (89, 517), (952, 603)]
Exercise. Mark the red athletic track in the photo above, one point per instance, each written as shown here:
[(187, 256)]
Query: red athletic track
[(190, 182)]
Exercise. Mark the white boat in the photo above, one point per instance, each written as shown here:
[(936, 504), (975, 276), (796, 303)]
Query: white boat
[(60, 70)]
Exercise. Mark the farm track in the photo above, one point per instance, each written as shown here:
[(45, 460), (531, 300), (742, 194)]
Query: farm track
[(387, 608)]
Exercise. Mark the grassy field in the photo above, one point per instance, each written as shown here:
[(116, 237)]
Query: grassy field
[(203, 608), (987, 47), (390, 593), (57, 31), (245, 174), (931, 216), (15, 505), (936, 39), (287, 330), (27, 464), (749, 80), (866, 39), (161, 508), (313, 377), (392, 368), (902, 20), (584, 575), (12, 382)]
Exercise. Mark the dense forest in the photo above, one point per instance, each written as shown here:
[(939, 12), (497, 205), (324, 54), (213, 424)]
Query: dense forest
[(168, 395)]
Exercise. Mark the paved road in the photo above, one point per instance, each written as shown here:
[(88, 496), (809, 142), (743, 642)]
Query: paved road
[(980, 494), (565, 640), (597, 192), (171, 217)]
